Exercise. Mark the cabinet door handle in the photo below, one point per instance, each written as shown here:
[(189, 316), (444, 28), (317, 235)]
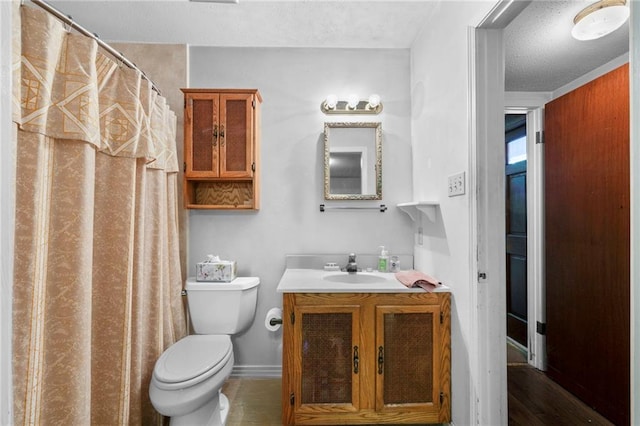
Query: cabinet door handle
[(222, 135), (215, 135), (356, 360), (380, 359)]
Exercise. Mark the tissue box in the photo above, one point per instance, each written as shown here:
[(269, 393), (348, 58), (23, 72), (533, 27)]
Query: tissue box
[(221, 271)]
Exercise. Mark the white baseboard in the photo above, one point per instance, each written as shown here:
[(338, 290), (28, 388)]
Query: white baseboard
[(257, 371)]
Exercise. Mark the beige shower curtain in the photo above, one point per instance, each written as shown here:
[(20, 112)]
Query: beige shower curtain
[(97, 272)]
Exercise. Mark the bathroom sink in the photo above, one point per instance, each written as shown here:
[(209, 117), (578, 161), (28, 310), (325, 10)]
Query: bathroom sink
[(309, 280), (358, 278)]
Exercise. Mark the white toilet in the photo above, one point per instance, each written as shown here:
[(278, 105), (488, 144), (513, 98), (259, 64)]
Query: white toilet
[(188, 376)]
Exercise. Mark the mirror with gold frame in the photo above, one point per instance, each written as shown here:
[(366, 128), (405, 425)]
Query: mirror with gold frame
[(353, 161)]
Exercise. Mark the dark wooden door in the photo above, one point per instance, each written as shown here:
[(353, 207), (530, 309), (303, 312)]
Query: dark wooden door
[(587, 243), (516, 226), (517, 252)]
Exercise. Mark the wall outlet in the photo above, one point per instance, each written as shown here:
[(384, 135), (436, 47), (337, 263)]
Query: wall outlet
[(456, 184)]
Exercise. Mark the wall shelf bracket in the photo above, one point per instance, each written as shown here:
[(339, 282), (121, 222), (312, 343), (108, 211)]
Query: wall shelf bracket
[(413, 209)]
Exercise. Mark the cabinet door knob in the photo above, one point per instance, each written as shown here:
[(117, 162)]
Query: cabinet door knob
[(215, 135), (380, 359), (222, 135)]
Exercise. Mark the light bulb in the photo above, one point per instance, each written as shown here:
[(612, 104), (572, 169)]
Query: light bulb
[(331, 101), (374, 100), (353, 101)]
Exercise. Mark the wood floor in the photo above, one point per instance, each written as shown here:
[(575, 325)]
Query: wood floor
[(534, 400)]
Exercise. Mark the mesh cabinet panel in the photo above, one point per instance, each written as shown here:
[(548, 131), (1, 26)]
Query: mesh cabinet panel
[(236, 136), (203, 139), (326, 358), (408, 358)]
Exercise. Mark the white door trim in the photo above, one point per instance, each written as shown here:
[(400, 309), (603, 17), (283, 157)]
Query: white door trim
[(535, 239), (489, 366), (535, 232)]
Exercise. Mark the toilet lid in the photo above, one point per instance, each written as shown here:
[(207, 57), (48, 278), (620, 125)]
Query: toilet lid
[(193, 357)]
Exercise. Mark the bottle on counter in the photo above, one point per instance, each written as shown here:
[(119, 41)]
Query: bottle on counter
[(383, 260)]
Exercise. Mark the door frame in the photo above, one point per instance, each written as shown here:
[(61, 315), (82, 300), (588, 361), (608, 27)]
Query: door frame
[(486, 50), (536, 342)]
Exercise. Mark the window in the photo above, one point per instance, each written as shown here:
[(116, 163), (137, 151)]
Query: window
[(517, 150), (515, 135)]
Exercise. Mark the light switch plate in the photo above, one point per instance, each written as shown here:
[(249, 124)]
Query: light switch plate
[(456, 184)]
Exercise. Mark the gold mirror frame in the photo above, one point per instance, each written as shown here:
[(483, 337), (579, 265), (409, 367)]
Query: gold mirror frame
[(375, 145)]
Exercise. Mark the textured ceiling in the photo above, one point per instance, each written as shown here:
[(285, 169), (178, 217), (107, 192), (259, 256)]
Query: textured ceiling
[(301, 23), (540, 53)]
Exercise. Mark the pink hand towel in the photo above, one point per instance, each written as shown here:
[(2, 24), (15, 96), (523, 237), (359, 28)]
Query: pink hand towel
[(415, 278)]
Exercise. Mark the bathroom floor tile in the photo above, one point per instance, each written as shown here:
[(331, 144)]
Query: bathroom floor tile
[(254, 402)]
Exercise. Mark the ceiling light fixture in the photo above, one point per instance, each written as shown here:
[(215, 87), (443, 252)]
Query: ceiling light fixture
[(600, 19)]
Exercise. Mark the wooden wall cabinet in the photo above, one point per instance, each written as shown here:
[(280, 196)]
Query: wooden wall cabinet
[(221, 148), (366, 358)]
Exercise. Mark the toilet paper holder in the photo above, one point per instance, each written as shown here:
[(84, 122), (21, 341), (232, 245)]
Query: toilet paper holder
[(275, 321)]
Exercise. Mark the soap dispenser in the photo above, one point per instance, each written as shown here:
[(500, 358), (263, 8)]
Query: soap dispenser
[(383, 260)]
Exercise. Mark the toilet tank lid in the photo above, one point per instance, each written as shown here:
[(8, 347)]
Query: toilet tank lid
[(240, 283)]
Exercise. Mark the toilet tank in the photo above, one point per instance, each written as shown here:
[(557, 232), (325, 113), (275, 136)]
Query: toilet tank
[(222, 308)]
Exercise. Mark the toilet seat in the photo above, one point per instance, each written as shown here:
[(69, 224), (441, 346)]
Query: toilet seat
[(191, 360)]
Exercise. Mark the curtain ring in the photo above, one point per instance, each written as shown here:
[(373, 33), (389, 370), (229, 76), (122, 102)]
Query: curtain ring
[(68, 25)]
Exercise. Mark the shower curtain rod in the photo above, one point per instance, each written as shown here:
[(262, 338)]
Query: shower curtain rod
[(69, 21)]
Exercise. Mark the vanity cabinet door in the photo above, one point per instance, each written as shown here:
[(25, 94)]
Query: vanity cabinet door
[(326, 358), (409, 368)]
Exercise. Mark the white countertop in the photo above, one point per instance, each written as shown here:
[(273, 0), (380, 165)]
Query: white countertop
[(312, 281)]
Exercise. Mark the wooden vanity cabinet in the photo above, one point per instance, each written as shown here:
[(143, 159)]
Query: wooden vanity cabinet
[(221, 148), (366, 358)]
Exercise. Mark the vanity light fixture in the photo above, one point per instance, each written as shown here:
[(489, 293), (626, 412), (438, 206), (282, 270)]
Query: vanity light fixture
[(352, 105), (600, 19)]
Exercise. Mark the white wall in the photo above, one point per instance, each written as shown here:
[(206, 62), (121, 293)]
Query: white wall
[(441, 88), (293, 83)]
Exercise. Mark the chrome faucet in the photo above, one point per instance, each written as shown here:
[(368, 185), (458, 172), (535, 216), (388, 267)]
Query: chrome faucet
[(352, 266)]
